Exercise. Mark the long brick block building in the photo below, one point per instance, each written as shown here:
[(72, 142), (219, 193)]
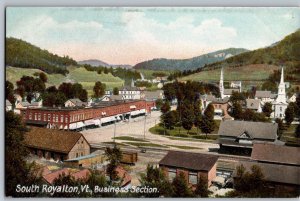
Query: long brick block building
[(78, 117)]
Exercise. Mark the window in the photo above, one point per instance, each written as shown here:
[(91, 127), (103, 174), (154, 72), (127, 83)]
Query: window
[(193, 178), (39, 116), (49, 117), (53, 119), (172, 174), (61, 118), (280, 109), (45, 117), (56, 118), (35, 116), (76, 155), (66, 119), (30, 116)]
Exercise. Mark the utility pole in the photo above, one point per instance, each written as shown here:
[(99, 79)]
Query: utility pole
[(145, 128), (114, 130)]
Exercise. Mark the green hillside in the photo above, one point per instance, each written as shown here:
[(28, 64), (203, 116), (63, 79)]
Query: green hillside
[(25, 55), (189, 64), (254, 65), (76, 74)]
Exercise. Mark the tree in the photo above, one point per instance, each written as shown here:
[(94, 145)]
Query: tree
[(165, 107), (237, 97), (289, 115), (114, 156), (297, 131), (187, 115), (181, 188), (159, 103), (208, 123), (202, 188), (65, 179), (155, 178), (170, 119), (267, 109), (250, 184), (66, 89), (280, 127), (99, 89), (237, 111), (17, 171), (43, 77), (116, 91), (9, 92)]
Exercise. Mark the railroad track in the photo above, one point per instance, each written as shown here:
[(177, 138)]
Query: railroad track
[(163, 151)]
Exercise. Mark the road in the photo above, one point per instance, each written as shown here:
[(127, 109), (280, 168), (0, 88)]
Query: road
[(135, 128)]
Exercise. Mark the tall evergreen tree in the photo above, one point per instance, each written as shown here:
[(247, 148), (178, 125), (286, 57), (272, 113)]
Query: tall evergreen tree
[(181, 188), (99, 89)]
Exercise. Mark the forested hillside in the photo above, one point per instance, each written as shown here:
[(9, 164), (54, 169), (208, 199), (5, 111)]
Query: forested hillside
[(189, 64), (25, 55)]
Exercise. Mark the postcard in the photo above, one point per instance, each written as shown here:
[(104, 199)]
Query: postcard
[(135, 102)]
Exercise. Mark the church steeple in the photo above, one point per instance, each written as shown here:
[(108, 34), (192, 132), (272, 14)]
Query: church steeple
[(221, 84), (281, 89)]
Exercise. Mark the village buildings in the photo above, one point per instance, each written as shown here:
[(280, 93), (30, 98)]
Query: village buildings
[(74, 118), (241, 135), (192, 165), (55, 144)]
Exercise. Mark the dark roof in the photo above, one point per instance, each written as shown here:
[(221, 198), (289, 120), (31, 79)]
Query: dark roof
[(213, 99), (229, 91), (275, 173), (276, 153), (191, 161), (252, 104), (257, 130), (34, 122), (51, 139), (264, 94)]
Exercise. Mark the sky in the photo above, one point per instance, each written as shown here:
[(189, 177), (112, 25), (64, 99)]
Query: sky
[(132, 35)]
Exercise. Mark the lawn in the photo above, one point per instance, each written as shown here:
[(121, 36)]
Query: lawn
[(181, 132), (128, 138), (183, 147), (257, 72), (80, 75), (139, 144)]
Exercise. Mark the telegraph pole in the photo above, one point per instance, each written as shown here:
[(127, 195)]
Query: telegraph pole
[(114, 130)]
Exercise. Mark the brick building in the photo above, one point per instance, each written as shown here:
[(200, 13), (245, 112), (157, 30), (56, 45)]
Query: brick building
[(193, 165), (76, 118), (56, 144)]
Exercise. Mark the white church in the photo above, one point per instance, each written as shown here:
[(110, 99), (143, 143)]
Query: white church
[(280, 104)]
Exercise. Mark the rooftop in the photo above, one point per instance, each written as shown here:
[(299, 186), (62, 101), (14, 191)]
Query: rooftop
[(256, 130), (276, 154), (51, 139), (191, 161), (275, 173)]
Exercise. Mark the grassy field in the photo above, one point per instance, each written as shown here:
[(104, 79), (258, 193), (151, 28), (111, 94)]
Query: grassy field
[(257, 72), (180, 133), (81, 75)]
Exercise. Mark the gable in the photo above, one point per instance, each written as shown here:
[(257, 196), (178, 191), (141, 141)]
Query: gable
[(245, 135)]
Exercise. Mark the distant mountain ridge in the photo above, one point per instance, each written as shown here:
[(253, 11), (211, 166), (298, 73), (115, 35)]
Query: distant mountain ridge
[(96, 63), (189, 64)]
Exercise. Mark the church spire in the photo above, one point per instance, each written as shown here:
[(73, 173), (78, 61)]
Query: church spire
[(282, 77), (281, 98), (221, 84)]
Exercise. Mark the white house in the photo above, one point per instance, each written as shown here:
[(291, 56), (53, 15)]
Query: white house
[(293, 98), (8, 105), (254, 104), (24, 105), (236, 85), (75, 102), (265, 96)]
